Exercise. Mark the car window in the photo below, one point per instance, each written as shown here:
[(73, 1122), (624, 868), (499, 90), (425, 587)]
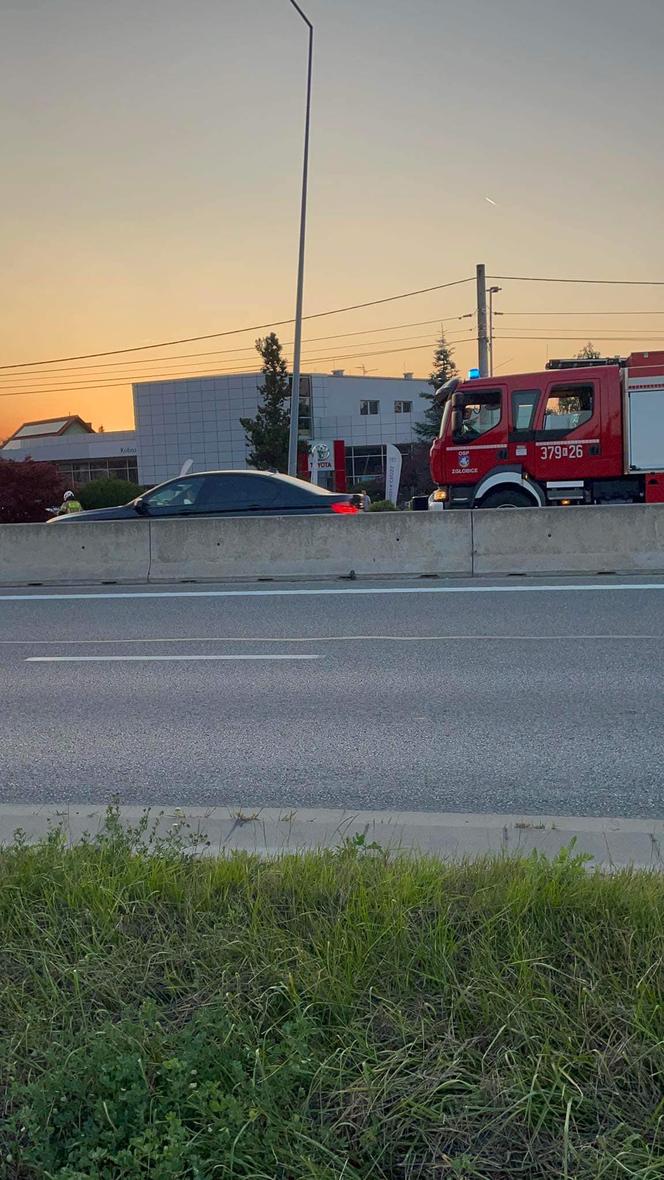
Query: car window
[(181, 494), (524, 403), (226, 493)]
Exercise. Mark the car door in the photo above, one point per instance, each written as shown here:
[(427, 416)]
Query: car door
[(568, 431)]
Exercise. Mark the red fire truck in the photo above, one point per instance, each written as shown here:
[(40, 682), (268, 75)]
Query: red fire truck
[(581, 432)]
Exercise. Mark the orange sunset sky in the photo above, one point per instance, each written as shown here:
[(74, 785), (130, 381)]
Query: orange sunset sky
[(151, 170)]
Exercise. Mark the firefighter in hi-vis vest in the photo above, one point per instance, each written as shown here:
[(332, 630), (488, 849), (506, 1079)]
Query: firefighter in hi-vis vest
[(69, 504)]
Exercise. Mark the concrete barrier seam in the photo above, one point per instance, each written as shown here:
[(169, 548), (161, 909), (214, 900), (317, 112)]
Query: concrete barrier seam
[(472, 544)]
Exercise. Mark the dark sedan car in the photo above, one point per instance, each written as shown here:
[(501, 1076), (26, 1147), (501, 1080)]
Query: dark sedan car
[(227, 493)]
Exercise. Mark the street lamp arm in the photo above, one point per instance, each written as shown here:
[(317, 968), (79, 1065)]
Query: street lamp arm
[(305, 18)]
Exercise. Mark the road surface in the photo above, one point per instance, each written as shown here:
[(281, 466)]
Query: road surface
[(515, 696)]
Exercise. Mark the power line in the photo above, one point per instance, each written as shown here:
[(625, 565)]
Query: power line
[(404, 345), (582, 336), (616, 334), (237, 331), (191, 372), (240, 361), (579, 313), (333, 311), (226, 351), (356, 356), (309, 361), (151, 379), (98, 370), (591, 282)]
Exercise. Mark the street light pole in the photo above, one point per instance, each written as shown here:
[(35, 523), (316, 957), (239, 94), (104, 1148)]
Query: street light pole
[(482, 334), (492, 291), (297, 344)]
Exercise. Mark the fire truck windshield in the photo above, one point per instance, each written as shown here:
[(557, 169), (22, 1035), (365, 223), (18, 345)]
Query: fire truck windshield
[(474, 413)]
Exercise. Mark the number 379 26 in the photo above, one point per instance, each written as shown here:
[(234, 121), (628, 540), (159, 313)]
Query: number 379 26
[(561, 451)]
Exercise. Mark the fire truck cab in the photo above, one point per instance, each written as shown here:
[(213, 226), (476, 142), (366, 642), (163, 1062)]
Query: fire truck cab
[(581, 432)]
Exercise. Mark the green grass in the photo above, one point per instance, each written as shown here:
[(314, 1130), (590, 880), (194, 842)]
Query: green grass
[(343, 1015)]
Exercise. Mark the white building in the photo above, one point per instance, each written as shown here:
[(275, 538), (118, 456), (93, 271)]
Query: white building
[(80, 453), (199, 419)]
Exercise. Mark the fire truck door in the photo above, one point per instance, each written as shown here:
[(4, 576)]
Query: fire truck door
[(568, 433), (478, 433)]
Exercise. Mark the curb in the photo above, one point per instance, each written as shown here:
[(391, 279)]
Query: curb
[(611, 842)]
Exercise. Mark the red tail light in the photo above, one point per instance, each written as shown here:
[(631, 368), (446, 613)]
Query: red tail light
[(344, 508)]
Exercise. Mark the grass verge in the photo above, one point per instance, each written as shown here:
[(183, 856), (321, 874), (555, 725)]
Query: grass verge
[(340, 1015)]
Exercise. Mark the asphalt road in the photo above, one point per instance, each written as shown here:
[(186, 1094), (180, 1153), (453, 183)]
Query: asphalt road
[(532, 697)]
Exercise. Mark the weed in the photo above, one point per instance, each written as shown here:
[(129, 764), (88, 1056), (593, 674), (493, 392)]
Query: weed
[(348, 1015)]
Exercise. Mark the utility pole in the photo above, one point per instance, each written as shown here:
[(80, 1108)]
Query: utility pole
[(492, 291), (482, 333)]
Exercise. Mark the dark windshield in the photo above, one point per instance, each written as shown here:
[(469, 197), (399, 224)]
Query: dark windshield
[(475, 411)]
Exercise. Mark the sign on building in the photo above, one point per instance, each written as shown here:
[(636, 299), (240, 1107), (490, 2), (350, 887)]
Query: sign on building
[(321, 458)]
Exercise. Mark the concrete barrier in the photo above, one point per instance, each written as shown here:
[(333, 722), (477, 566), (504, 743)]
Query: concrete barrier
[(383, 544), (70, 554), (624, 539), (628, 538)]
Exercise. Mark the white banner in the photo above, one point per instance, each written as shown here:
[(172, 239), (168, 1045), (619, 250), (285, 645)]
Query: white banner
[(392, 472)]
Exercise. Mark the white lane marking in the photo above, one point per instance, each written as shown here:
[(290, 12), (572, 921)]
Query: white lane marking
[(258, 639), (324, 592), (153, 659)]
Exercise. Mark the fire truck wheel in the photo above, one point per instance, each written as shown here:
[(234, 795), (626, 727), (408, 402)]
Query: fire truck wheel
[(509, 498)]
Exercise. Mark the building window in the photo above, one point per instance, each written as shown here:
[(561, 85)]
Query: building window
[(368, 407), (304, 423), (403, 407), (83, 471), (365, 463)]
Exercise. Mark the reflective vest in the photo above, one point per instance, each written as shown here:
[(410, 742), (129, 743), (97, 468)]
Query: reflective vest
[(71, 506)]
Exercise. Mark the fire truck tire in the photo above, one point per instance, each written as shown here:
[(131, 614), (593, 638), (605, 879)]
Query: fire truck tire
[(508, 498)]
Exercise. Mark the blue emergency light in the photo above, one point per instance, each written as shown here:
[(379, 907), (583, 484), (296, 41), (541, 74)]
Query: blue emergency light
[(473, 373)]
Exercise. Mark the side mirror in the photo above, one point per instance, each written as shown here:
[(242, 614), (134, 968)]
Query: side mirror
[(140, 506), (445, 391)]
